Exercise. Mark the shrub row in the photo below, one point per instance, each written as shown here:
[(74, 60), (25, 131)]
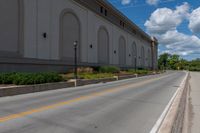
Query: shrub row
[(139, 71), (29, 78), (194, 69), (109, 69), (114, 69), (95, 75)]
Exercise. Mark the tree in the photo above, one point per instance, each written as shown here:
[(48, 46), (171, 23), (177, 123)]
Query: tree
[(163, 61), (174, 62), (184, 64)]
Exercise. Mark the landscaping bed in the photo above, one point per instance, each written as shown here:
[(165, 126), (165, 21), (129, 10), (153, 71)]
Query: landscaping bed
[(88, 73), (106, 72), (24, 83), (29, 78)]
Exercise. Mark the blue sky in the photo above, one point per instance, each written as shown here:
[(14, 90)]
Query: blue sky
[(175, 23)]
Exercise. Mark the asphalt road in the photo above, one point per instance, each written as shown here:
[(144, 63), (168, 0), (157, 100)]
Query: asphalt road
[(129, 106)]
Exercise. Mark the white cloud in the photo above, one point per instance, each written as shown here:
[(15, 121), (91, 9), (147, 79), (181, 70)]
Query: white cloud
[(156, 2), (164, 19), (125, 2), (163, 24), (152, 2), (194, 19), (180, 43)]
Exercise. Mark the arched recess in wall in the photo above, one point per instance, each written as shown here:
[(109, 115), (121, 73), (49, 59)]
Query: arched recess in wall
[(134, 53), (11, 13), (122, 51), (103, 45), (142, 57), (149, 58), (70, 32)]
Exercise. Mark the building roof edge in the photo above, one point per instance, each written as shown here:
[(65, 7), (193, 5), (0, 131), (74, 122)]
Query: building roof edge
[(128, 20)]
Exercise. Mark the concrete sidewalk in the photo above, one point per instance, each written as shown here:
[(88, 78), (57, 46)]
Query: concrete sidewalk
[(195, 102)]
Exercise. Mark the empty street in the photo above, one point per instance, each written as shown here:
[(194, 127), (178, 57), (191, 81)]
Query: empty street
[(131, 106)]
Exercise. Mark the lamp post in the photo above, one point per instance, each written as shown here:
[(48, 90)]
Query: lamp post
[(75, 60)]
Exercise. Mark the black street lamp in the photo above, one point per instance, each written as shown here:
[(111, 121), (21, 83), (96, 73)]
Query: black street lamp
[(75, 60)]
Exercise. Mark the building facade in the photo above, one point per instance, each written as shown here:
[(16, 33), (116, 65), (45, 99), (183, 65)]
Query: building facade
[(38, 35)]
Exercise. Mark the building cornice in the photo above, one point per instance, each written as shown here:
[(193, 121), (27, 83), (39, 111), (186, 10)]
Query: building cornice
[(131, 26), (126, 19)]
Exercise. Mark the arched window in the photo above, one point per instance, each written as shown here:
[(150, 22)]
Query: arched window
[(9, 25), (70, 33), (134, 53), (103, 46), (149, 58), (122, 51), (142, 57)]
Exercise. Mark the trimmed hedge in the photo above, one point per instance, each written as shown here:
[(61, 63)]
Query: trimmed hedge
[(29, 78), (6, 78)]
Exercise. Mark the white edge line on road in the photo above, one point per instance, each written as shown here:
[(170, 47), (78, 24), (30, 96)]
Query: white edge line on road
[(163, 115)]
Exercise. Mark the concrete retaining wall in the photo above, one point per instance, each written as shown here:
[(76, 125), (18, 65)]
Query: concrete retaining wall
[(174, 119), (179, 120), (11, 91), (18, 90), (86, 82)]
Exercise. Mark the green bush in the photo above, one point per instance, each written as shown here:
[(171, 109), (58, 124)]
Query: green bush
[(95, 75), (95, 68), (142, 72), (109, 69), (6, 78), (29, 78), (194, 69), (132, 71), (140, 68)]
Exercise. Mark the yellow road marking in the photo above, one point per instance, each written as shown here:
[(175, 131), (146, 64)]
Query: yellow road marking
[(60, 104)]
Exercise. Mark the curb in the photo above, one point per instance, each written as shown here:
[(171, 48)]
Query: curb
[(18, 90), (171, 120)]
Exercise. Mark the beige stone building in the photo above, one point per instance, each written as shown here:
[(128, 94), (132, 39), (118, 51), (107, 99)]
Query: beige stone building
[(38, 35)]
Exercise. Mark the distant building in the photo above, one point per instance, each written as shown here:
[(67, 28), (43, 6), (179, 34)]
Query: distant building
[(38, 35)]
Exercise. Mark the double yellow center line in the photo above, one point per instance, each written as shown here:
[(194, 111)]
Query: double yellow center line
[(87, 97)]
